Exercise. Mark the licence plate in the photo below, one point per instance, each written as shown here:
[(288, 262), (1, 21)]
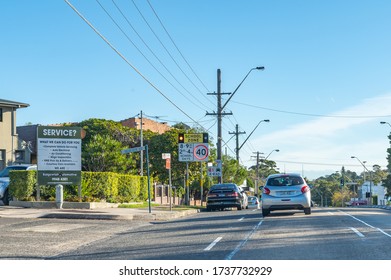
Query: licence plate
[(285, 193)]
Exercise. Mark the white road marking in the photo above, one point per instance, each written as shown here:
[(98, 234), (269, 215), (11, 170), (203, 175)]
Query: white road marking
[(357, 232), (211, 245), (382, 231), (368, 225), (241, 219), (330, 213), (241, 244)]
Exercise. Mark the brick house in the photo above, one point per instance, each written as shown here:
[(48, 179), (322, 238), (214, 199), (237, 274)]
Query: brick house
[(157, 127)]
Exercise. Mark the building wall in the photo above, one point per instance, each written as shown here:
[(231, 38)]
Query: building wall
[(8, 136), (147, 125)]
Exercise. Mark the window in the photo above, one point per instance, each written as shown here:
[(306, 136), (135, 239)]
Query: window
[(1, 114), (19, 155), (2, 159)]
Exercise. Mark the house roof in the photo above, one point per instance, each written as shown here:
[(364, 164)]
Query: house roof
[(12, 104)]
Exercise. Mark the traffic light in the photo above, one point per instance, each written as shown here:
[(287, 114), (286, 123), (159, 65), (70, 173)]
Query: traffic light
[(205, 137), (181, 138)]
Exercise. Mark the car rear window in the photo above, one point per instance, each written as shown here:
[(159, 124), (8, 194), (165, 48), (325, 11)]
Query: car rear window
[(285, 181), (5, 172), (223, 188)]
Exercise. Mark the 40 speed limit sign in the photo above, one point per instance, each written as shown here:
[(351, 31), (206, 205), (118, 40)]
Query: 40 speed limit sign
[(201, 152)]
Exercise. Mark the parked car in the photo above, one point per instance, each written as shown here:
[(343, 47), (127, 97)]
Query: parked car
[(286, 191), (5, 180), (253, 202), (227, 195)]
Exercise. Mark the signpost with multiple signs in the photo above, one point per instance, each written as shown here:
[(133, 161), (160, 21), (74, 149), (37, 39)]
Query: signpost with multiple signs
[(193, 147)]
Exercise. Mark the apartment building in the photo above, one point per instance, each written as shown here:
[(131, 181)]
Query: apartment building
[(11, 149)]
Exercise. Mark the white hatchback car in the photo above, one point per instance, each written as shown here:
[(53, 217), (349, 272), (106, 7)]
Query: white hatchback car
[(286, 192)]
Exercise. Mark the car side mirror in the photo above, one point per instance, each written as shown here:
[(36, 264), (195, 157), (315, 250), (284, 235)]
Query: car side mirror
[(260, 188)]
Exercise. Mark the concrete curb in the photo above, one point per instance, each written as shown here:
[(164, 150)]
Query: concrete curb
[(154, 216)]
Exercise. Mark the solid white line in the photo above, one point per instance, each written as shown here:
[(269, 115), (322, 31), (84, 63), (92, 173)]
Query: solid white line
[(368, 225), (330, 213), (382, 231), (241, 219), (241, 244), (357, 232), (213, 244)]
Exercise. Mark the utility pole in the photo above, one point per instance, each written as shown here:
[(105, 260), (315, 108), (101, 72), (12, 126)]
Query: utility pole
[(237, 133), (141, 144), (219, 115), (257, 179), (220, 109)]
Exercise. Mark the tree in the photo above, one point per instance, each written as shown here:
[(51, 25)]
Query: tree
[(103, 154), (103, 143)]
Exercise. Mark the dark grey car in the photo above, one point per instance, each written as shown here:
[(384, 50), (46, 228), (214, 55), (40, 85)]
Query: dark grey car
[(226, 195)]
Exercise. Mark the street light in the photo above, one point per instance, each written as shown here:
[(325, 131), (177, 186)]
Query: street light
[(370, 178), (385, 123), (220, 109), (275, 150), (237, 139), (252, 69)]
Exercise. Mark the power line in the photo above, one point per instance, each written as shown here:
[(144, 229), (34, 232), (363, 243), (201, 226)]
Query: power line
[(127, 61), (169, 36), (138, 49), (312, 115), (168, 52)]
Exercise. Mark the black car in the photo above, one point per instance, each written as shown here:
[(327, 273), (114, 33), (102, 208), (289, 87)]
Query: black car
[(226, 195)]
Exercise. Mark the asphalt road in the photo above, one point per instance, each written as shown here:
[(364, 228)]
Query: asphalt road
[(326, 234)]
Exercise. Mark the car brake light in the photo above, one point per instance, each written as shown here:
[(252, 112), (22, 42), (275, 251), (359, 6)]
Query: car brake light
[(236, 194), (305, 189), (212, 195), (266, 191)]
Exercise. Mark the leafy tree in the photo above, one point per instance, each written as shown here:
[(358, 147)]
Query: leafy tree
[(232, 171), (103, 143), (103, 153)]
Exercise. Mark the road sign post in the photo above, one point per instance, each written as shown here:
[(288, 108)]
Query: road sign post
[(138, 149), (167, 157), (192, 147)]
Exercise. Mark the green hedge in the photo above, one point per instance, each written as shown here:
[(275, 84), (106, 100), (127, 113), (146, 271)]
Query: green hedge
[(96, 186)]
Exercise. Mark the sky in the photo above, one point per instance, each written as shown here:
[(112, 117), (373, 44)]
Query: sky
[(325, 87)]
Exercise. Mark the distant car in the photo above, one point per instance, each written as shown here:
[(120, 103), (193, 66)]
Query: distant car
[(227, 195), (253, 202), (286, 192), (5, 180)]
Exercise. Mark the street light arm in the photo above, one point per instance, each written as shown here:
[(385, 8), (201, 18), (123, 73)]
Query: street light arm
[(233, 93), (361, 163), (277, 150), (252, 133)]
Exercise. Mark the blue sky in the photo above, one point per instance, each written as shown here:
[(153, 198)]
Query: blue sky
[(325, 87)]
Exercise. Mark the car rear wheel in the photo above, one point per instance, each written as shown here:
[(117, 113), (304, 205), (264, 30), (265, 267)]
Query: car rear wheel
[(307, 211), (7, 198), (265, 212)]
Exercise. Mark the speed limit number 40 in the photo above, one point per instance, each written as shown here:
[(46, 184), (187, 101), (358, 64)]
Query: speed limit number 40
[(201, 152)]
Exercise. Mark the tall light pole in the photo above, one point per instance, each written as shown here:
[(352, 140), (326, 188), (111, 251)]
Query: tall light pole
[(220, 109), (237, 132), (370, 178), (275, 150), (385, 123)]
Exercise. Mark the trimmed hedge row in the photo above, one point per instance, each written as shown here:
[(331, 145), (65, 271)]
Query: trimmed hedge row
[(95, 186)]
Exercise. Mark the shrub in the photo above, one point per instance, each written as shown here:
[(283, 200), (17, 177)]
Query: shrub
[(96, 186)]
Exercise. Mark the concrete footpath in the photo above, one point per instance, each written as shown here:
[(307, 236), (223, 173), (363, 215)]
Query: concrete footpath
[(157, 213)]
